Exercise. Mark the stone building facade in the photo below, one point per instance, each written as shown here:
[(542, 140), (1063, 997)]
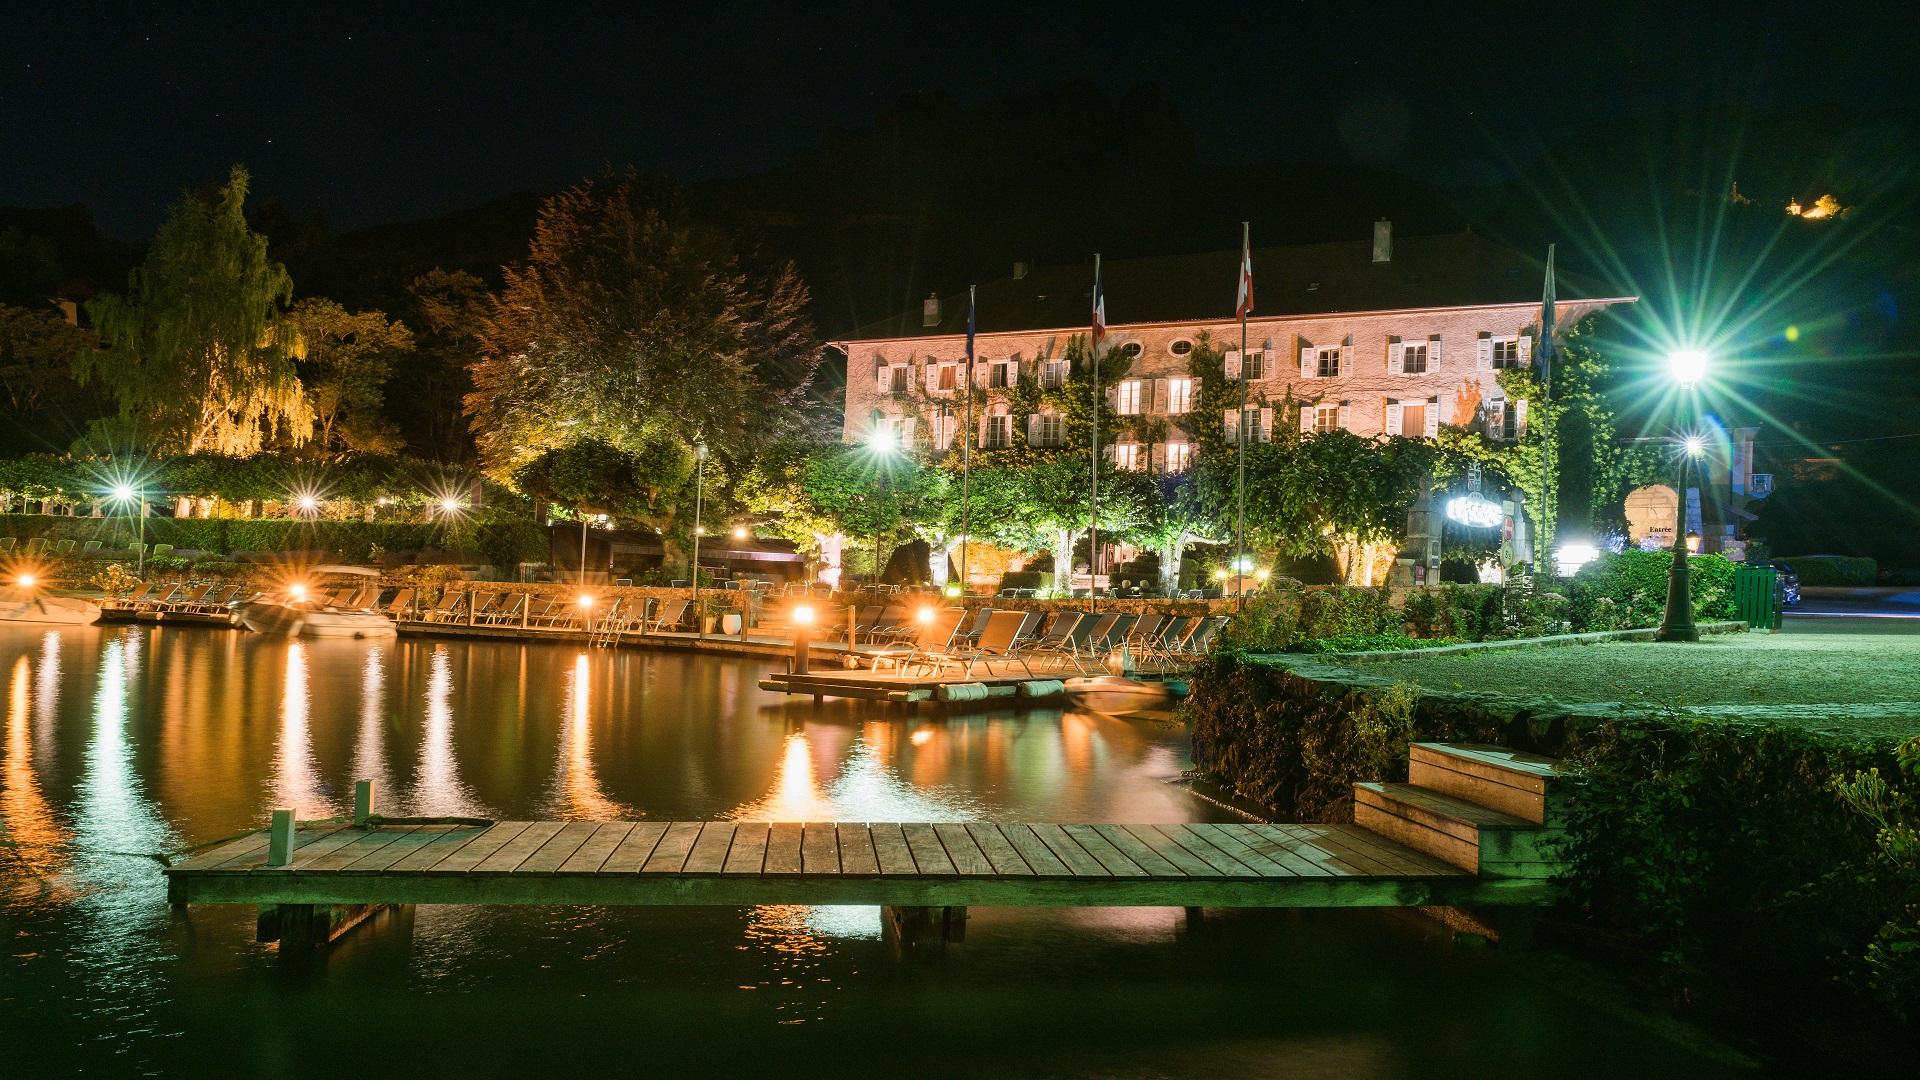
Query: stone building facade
[(1359, 337)]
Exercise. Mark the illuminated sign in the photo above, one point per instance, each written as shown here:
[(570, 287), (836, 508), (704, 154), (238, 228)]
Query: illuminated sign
[(1473, 510)]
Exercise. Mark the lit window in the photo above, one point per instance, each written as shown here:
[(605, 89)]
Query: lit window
[(1254, 365), (1000, 373), (1053, 374), (1179, 396), (1131, 350), (1326, 418), (1127, 400), (943, 431), (1327, 363), (901, 377), (1126, 455), (1413, 359), (1506, 352), (1413, 420), (1180, 347), (1179, 457), (949, 377)]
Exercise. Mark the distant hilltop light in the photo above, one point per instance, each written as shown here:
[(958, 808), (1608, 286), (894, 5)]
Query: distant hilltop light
[(1826, 206)]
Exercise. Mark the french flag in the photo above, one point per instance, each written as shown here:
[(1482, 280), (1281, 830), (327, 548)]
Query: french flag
[(1243, 303), (1099, 307)]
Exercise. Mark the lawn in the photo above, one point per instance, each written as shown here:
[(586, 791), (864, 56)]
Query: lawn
[(1866, 684)]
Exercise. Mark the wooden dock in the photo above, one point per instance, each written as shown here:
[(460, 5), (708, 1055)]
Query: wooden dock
[(1005, 681), (1479, 830)]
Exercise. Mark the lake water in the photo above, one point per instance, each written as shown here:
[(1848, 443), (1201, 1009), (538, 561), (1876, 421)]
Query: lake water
[(125, 740)]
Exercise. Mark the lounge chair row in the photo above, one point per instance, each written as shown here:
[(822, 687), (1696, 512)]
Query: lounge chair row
[(1072, 641)]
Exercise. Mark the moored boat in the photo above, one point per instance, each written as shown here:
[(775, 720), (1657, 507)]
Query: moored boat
[(1122, 696), (23, 603), (293, 612)]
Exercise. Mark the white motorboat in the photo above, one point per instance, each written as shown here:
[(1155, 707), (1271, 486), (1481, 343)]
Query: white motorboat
[(20, 604), (293, 612), (1122, 696)]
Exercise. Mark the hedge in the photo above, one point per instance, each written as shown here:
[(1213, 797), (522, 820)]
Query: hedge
[(1720, 846), (1839, 570), (501, 543)]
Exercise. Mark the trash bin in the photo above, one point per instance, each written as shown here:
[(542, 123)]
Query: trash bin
[(1754, 599)]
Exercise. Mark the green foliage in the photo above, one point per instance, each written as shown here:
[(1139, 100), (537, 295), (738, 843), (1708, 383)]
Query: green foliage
[(1382, 642), (113, 579), (1467, 612), (1348, 612), (500, 543), (1741, 857), (37, 352), (345, 359), (446, 310), (1834, 570), (195, 352), (1629, 590)]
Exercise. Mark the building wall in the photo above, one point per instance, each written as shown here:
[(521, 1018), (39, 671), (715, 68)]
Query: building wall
[(1459, 384)]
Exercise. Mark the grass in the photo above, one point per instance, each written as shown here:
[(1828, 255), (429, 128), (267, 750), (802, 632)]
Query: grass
[(1859, 684)]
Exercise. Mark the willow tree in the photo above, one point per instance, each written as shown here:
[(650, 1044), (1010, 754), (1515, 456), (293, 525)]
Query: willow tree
[(194, 352), (632, 325)]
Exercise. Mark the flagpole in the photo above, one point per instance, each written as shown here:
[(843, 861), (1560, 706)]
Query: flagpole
[(1240, 430), (1542, 557), (966, 455), (1093, 489)]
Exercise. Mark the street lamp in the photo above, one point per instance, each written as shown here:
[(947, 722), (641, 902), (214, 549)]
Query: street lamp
[(699, 483), (1689, 368), (136, 502)]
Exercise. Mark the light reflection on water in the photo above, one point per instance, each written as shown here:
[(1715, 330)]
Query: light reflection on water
[(123, 740)]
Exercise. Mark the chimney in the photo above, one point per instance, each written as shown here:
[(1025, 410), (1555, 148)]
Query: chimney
[(930, 310), (1383, 241), (1019, 269)]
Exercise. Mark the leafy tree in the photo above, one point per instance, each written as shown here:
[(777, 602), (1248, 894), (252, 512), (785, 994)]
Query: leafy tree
[(194, 352), (446, 310), (37, 351), (345, 359), (634, 326)]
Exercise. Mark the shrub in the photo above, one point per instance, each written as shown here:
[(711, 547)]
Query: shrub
[(1467, 612), (113, 579), (1269, 622), (1347, 612), (1836, 570), (1628, 590)]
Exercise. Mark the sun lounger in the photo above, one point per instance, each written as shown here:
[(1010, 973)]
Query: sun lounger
[(133, 599), (506, 612), (933, 640), (669, 616), (400, 605), (188, 600)]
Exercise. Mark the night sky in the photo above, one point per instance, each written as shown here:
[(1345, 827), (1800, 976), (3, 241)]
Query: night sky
[(397, 112)]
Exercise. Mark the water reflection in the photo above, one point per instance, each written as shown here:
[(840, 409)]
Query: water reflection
[(577, 784), (33, 835), (293, 783), (440, 791), (370, 741)]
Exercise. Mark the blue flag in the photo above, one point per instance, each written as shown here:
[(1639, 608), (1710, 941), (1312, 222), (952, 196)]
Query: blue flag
[(1547, 327)]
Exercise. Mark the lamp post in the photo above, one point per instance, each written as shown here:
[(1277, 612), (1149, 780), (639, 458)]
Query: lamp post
[(1689, 367), (136, 502), (699, 494)]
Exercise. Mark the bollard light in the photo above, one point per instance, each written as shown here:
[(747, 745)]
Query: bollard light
[(803, 615), (297, 591), (740, 532), (26, 581), (584, 600)]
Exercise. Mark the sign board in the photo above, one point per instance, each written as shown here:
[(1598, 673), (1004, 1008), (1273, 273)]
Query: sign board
[(1474, 511)]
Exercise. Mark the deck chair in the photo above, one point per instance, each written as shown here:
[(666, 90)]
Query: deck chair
[(188, 600), (669, 616), (161, 549), (997, 640), (6, 545), (448, 608), (90, 548), (932, 640), (1145, 631), (133, 599), (215, 602), (507, 611), (1063, 649), (400, 605), (67, 546), (1159, 650), (971, 631), (539, 611), (1196, 646)]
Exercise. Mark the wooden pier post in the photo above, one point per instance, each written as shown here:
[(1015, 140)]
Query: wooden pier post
[(280, 839), (362, 802)]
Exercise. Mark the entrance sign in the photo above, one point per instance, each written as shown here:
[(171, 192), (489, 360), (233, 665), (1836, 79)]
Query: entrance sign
[(1473, 510)]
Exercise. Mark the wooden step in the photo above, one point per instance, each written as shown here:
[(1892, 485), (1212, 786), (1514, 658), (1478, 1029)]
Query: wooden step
[(1526, 786), (1454, 830)]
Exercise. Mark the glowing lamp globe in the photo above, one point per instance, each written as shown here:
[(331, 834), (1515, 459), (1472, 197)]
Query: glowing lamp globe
[(26, 581), (123, 493), (297, 591), (584, 600), (1689, 366), (308, 502), (740, 532), (1694, 445), (449, 506), (925, 614), (880, 440), (803, 615)]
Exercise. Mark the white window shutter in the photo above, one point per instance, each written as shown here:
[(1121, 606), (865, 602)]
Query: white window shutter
[(1161, 394), (1159, 458), (1232, 418), (1346, 417), (885, 373), (1433, 418), (980, 373), (983, 431), (1396, 358), (1393, 417), (1033, 430), (1485, 360), (1346, 359), (1307, 365), (1232, 363), (1306, 419), (1520, 416), (1433, 354), (1442, 411), (933, 377), (1526, 350), (1266, 424), (906, 433), (1496, 418)]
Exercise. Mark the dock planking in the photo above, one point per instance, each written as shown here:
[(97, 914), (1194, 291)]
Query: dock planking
[(889, 863)]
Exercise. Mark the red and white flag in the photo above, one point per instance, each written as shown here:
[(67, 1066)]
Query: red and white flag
[(1243, 303), (1099, 308)]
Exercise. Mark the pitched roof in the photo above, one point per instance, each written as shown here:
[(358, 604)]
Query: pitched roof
[(1456, 270)]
